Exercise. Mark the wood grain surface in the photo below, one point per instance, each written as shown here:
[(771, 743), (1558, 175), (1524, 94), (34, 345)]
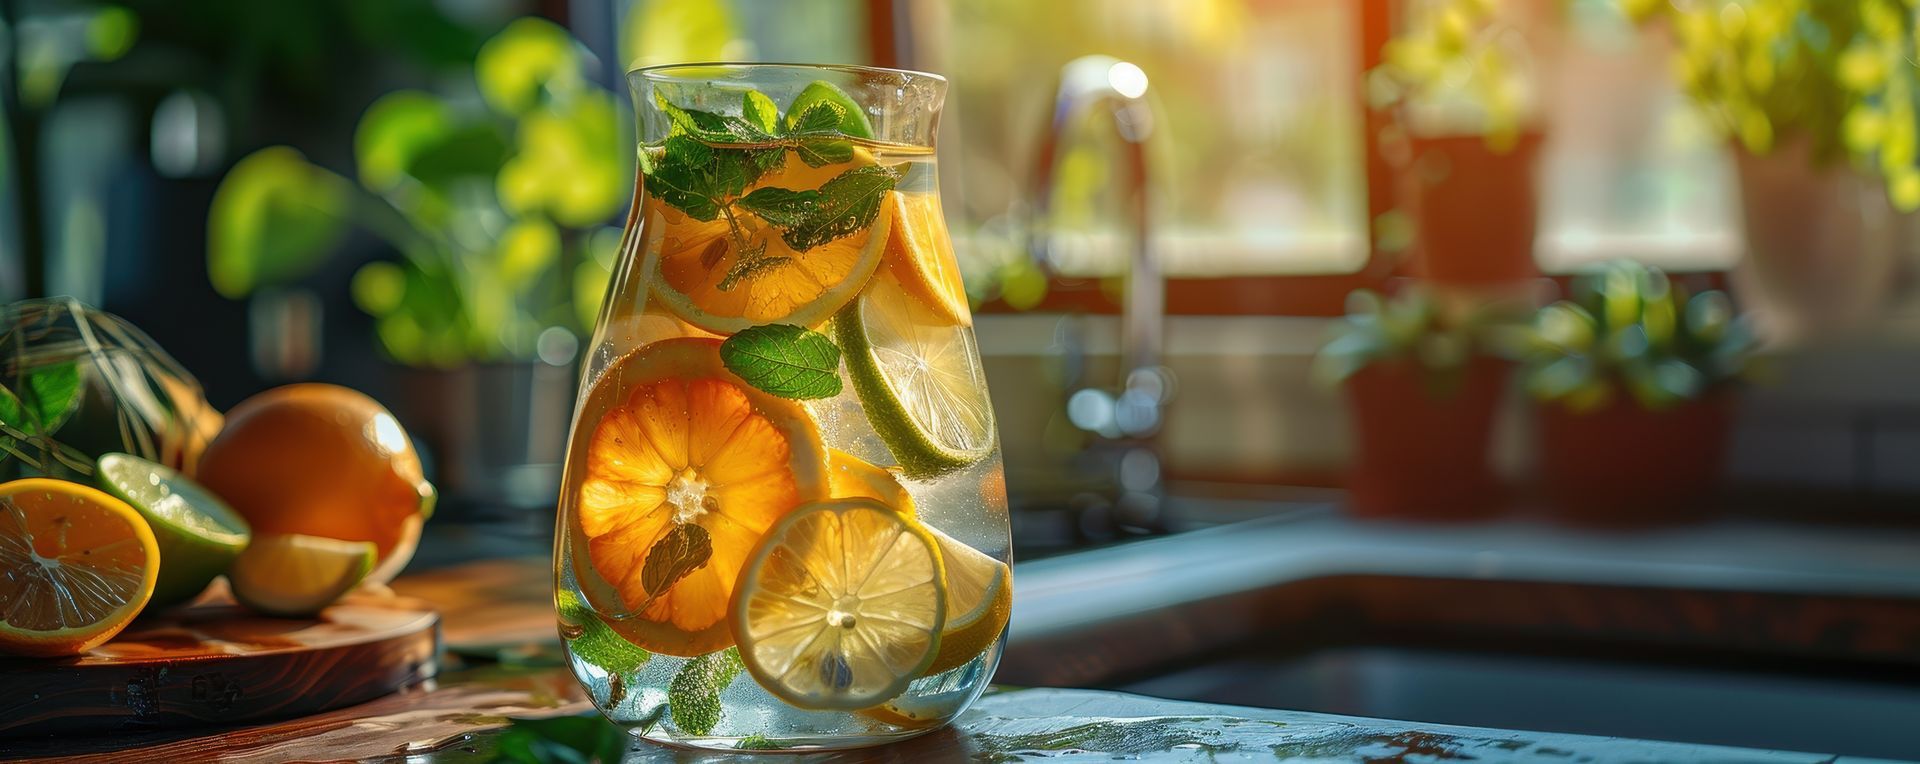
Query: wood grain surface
[(216, 663)]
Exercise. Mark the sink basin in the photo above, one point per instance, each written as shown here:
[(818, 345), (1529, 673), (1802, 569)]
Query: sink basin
[(1739, 633)]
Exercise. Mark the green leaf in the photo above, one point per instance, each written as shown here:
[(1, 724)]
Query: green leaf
[(757, 743), (566, 739), (694, 694), (393, 131), (782, 207), (760, 111), (847, 204), (710, 127), (683, 178), (784, 360), (683, 550), (819, 118), (822, 151), (13, 414), (273, 220), (530, 58), (50, 394), (596, 642)]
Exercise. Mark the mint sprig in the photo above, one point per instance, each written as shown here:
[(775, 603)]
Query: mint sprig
[(709, 159), (784, 360)]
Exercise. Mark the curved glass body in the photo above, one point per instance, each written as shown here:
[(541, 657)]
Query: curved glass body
[(783, 522)]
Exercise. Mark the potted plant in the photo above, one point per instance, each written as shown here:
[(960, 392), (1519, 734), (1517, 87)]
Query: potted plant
[(496, 203), (1633, 380), (1453, 81), (1422, 389), (1817, 99)]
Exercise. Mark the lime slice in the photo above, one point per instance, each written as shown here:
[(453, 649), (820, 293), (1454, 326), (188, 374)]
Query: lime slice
[(292, 575), (919, 378), (198, 534), (853, 122), (840, 605)]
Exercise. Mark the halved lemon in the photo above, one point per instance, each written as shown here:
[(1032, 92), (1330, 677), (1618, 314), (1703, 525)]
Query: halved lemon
[(695, 264), (669, 438), (841, 605), (293, 576), (920, 256), (76, 565), (919, 377)]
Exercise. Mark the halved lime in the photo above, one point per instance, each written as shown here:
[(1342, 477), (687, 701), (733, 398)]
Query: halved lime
[(919, 378), (198, 534), (853, 119), (293, 575)]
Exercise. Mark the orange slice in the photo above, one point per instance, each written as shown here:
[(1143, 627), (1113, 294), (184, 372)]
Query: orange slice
[(668, 437), (920, 255), (76, 565), (690, 260), (850, 476)]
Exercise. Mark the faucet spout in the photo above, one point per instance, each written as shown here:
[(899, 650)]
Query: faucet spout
[(1118, 90)]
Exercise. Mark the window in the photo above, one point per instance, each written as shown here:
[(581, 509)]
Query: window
[(1260, 151), (1630, 169)]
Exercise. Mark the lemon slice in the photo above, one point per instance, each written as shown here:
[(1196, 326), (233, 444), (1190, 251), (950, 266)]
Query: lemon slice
[(919, 377), (979, 587), (979, 601), (76, 565), (197, 533), (291, 575), (920, 255), (841, 605)]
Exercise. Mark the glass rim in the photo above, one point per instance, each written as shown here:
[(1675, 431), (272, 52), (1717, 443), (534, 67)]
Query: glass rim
[(657, 72)]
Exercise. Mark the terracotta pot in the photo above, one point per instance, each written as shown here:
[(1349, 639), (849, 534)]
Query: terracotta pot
[(1824, 246), (1624, 465), (1475, 210), (1424, 455)]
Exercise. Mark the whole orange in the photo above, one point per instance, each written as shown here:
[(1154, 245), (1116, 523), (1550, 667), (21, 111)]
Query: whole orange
[(322, 460)]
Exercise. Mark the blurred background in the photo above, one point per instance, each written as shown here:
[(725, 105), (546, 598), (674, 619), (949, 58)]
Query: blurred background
[(1527, 363)]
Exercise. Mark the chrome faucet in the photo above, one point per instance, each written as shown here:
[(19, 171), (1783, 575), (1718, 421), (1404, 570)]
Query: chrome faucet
[(1127, 416)]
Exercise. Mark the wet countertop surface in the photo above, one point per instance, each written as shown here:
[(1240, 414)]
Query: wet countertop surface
[(499, 633)]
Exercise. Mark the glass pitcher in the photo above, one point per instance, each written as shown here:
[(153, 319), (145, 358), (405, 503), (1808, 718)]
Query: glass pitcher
[(783, 522)]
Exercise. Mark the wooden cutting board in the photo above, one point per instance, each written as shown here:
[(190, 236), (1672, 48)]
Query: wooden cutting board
[(216, 663)]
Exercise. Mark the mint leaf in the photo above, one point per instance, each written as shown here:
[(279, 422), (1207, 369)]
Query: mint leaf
[(757, 742), (822, 151), (709, 127), (700, 180), (846, 205), (682, 551), (591, 639), (749, 267), (760, 112), (694, 694), (784, 360), (683, 178), (782, 207), (821, 117), (815, 135)]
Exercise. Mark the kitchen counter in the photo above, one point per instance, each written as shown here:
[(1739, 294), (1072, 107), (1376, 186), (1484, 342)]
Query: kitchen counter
[(499, 628)]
